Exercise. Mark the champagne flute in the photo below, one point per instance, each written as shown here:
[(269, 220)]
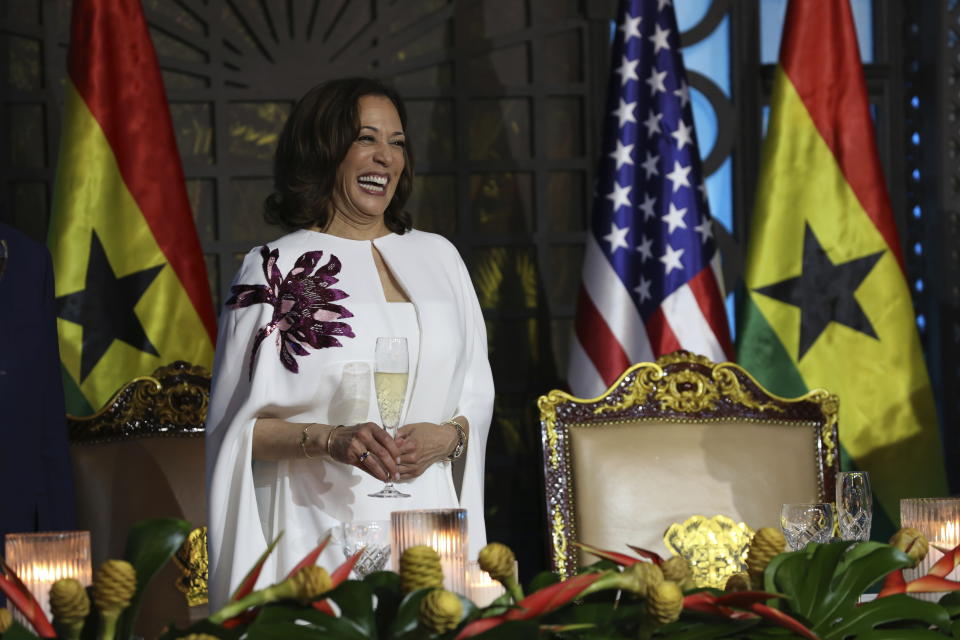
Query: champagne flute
[(390, 371), (854, 505)]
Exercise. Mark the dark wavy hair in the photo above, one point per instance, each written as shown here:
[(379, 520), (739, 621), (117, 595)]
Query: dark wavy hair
[(314, 141)]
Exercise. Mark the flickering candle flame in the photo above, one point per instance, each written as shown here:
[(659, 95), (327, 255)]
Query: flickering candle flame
[(939, 520)]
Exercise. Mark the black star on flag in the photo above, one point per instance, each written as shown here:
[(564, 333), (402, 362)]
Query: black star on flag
[(824, 292), (105, 308)]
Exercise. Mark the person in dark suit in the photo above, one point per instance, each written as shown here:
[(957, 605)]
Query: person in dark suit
[(35, 476)]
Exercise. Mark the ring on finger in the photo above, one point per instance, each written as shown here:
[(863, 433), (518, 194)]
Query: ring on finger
[(363, 456)]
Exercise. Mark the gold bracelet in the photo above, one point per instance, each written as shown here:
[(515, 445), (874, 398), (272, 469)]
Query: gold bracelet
[(304, 439), (330, 438)]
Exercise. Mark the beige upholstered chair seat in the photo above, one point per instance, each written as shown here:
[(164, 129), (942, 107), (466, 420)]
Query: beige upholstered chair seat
[(678, 438)]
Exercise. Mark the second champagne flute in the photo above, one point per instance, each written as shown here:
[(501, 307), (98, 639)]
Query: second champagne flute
[(390, 371)]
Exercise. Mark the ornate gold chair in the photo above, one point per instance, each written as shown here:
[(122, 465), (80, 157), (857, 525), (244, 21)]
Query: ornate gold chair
[(142, 456), (676, 438)]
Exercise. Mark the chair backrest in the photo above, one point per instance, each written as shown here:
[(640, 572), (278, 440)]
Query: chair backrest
[(142, 456), (676, 438)]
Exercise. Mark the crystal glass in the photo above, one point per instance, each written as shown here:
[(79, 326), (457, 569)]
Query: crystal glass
[(854, 505), (390, 371), (806, 522), (373, 536)]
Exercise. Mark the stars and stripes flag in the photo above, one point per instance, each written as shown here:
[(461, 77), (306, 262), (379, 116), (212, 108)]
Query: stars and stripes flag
[(651, 276)]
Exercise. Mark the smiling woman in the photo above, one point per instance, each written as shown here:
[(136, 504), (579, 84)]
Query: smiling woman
[(294, 436)]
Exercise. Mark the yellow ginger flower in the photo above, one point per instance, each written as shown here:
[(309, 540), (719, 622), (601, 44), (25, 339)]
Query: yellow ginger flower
[(305, 585), (440, 611), (70, 605), (6, 620), (498, 560), (420, 568), (677, 569), (113, 586), (911, 542), (310, 582), (664, 602), (738, 582), (647, 576), (198, 636), (767, 543)]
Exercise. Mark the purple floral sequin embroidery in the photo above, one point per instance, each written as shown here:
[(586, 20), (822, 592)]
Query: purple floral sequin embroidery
[(303, 309)]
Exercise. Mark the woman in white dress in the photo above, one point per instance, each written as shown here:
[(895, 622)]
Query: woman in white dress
[(293, 443)]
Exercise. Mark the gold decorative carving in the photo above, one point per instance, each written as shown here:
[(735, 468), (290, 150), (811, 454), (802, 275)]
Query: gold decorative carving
[(830, 405), (171, 401), (191, 558), (687, 391), (681, 356), (716, 548), (729, 384), (644, 383), (559, 541)]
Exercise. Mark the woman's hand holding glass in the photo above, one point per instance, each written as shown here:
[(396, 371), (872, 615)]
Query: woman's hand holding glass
[(423, 444), (368, 447)]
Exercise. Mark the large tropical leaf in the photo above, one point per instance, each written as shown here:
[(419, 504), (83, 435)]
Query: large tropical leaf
[(885, 611), (355, 600), (292, 622), (150, 545)]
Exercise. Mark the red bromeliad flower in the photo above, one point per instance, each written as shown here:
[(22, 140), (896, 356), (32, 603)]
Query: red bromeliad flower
[(536, 604), (934, 582), (18, 594), (623, 559)]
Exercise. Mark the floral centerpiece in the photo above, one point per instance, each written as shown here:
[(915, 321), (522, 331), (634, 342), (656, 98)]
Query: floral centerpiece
[(814, 593)]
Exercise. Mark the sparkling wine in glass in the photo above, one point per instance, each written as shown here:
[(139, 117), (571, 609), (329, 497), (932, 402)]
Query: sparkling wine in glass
[(803, 523), (854, 505), (390, 371)]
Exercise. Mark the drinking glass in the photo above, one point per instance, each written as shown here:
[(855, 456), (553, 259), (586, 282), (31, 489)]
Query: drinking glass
[(806, 522), (854, 505), (390, 370), (373, 536)]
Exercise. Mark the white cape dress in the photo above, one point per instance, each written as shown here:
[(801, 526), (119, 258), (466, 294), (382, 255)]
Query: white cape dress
[(250, 503)]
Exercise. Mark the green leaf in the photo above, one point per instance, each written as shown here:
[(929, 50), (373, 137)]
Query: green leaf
[(204, 627), (406, 619), (18, 632), (819, 570), (898, 608), (859, 574), (512, 630), (386, 588), (541, 580), (706, 630), (951, 602), (900, 634), (355, 600), (273, 620), (150, 544)]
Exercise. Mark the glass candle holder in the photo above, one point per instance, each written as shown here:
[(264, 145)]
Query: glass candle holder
[(444, 530), (40, 559), (481, 588), (938, 519)]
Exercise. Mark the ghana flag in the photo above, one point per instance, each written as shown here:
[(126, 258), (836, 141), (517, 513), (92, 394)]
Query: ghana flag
[(131, 283), (828, 303)]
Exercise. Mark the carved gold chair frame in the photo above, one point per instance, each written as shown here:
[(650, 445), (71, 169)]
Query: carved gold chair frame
[(681, 387), (172, 402)]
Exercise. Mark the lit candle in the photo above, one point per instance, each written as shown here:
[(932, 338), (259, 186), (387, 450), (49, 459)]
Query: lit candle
[(481, 588), (938, 519), (40, 559), (444, 530)]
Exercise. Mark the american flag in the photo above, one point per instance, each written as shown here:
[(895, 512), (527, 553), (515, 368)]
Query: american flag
[(651, 276)]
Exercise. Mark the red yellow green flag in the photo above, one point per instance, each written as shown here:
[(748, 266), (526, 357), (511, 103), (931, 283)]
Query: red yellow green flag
[(828, 303), (131, 282)]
